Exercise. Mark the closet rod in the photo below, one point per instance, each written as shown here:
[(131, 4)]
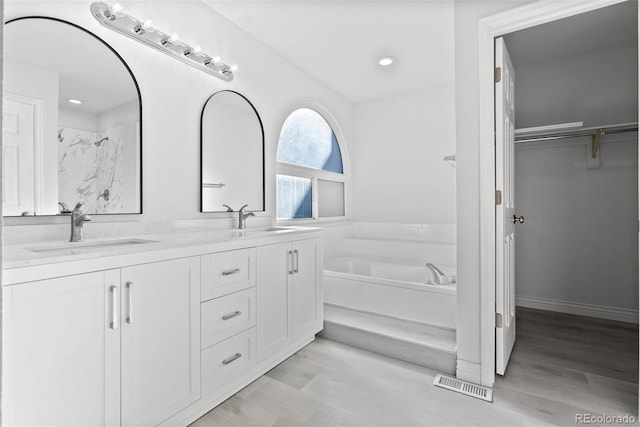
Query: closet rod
[(629, 127)]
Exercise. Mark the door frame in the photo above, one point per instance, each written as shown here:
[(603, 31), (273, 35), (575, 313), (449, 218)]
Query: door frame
[(489, 28)]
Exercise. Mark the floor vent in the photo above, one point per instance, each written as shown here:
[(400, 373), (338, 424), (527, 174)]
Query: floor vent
[(470, 389)]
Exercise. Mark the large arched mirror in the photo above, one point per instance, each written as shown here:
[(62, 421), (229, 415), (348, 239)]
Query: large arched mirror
[(71, 122), (232, 154)]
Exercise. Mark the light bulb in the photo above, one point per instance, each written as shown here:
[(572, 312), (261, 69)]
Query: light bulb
[(117, 8)]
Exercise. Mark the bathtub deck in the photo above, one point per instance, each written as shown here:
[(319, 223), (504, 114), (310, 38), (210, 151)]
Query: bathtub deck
[(425, 345)]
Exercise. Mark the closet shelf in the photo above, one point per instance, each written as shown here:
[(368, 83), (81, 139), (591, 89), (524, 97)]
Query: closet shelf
[(555, 132)]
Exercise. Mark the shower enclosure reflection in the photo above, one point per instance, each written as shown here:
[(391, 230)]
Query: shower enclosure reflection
[(71, 132)]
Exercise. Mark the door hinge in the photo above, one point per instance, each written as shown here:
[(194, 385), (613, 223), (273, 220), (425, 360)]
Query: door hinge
[(498, 197), (497, 74), (498, 320)]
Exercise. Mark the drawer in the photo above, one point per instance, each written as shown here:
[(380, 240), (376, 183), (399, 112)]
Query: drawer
[(227, 272), (226, 360), (226, 316)]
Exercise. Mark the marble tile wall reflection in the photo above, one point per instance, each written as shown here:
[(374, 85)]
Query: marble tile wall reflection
[(90, 169)]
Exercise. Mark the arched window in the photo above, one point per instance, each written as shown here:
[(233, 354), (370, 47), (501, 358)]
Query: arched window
[(310, 173)]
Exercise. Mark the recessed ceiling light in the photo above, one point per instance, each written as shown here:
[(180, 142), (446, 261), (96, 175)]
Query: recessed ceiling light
[(74, 101), (385, 61)]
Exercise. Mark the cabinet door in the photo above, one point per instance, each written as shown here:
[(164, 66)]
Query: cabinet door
[(61, 351), (274, 267), (305, 288), (160, 339)]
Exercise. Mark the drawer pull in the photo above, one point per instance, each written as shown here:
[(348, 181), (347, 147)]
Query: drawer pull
[(231, 359), (231, 315), (130, 316), (290, 262), (114, 307), (230, 272)]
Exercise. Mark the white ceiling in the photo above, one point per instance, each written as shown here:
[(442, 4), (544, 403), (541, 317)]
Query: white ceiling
[(340, 42), (605, 28)]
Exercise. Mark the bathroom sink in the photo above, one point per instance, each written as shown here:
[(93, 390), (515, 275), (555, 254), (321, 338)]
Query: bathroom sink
[(73, 248), (257, 231)]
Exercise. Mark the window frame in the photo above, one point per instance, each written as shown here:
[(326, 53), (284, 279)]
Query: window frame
[(290, 169)]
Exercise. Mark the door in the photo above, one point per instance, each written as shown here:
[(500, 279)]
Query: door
[(304, 289), (505, 209), (18, 158), (61, 351), (274, 267), (160, 320)]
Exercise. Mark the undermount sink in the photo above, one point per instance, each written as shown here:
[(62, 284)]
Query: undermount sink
[(86, 247), (254, 231)]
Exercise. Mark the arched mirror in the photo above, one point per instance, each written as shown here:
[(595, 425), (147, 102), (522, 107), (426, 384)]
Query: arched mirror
[(232, 154), (71, 122)]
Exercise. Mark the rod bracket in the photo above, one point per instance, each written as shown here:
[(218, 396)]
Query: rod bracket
[(595, 142)]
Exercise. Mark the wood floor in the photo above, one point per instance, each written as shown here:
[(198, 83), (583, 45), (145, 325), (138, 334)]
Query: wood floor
[(562, 365)]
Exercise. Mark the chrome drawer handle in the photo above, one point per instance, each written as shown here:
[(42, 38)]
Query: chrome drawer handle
[(231, 315), (230, 272), (130, 316), (290, 262), (231, 359), (114, 307)]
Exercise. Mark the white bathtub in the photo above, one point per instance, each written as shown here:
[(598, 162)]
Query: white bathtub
[(397, 289)]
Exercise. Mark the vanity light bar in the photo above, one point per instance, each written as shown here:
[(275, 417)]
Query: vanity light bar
[(115, 18)]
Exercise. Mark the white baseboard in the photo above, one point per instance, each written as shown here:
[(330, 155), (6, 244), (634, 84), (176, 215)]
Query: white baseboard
[(581, 309)]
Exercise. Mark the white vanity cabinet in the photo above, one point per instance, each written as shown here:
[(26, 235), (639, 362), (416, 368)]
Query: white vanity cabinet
[(61, 351), (289, 304), (116, 347), (160, 334), (156, 335)]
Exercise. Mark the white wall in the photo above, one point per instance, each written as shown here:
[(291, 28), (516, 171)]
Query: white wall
[(398, 170), (596, 88), (467, 15), (68, 118), (173, 95), (576, 252)]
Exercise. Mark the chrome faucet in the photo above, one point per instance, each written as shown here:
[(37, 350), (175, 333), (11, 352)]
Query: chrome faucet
[(242, 218), (64, 209), (439, 278), (78, 218)]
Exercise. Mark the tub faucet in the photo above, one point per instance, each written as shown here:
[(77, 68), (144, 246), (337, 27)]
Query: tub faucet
[(439, 278), (78, 218), (242, 218)]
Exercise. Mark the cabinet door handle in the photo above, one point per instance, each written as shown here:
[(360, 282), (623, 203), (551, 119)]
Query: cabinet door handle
[(130, 302), (296, 263), (290, 262), (231, 359), (230, 272), (114, 307), (231, 315)]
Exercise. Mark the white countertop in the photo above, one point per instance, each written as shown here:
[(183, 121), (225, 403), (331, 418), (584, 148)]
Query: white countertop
[(34, 261)]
